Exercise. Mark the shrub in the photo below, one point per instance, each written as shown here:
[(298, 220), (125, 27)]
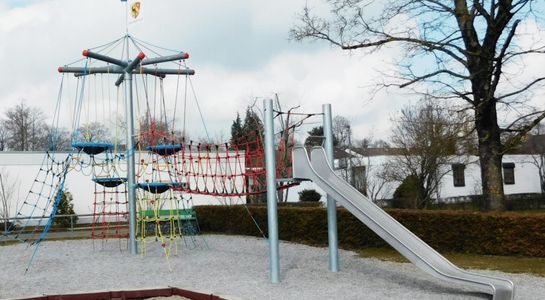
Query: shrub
[(506, 233), (66, 207), (406, 195), (525, 201), (4, 227), (309, 196), (291, 204), (513, 202)]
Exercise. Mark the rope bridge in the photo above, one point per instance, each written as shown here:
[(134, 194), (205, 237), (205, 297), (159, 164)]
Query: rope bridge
[(223, 170)]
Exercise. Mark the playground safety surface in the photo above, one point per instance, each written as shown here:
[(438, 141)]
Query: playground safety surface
[(232, 267)]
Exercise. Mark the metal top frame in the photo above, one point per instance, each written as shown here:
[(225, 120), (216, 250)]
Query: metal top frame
[(131, 66)]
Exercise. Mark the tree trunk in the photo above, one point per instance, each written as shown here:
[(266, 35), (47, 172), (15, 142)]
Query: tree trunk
[(490, 157), (492, 180)]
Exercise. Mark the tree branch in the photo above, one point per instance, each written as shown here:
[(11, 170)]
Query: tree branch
[(499, 59), (521, 132), (523, 89), (481, 10), (429, 75), (430, 45)]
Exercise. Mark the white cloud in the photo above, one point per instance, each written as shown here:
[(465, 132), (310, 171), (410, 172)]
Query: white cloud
[(14, 19), (522, 70), (240, 51), (308, 80)]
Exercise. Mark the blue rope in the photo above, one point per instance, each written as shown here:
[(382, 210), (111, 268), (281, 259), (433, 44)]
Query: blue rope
[(26, 200), (52, 214)]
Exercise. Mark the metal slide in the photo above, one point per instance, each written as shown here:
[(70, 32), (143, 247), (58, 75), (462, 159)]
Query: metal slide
[(395, 234)]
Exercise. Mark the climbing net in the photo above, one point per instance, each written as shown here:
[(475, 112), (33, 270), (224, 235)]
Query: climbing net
[(110, 203), (42, 200)]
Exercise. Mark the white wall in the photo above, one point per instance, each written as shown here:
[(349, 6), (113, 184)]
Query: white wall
[(526, 178), (526, 175), (472, 174)]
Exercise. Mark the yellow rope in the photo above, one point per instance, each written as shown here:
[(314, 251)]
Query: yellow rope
[(87, 115), (116, 144)]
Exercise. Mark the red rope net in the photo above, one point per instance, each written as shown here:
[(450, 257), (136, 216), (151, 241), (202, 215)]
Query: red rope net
[(229, 169), (110, 212)]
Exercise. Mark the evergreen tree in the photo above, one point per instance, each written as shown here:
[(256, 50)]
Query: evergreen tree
[(309, 195), (316, 137), (252, 128), (66, 207), (236, 130), (248, 132)]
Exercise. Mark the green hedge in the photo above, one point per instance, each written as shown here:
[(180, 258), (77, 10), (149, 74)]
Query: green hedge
[(513, 202), (506, 233)]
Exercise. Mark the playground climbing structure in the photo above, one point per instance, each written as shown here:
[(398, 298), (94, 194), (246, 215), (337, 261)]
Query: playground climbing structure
[(129, 134)]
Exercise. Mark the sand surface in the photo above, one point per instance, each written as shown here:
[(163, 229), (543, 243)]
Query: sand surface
[(234, 267)]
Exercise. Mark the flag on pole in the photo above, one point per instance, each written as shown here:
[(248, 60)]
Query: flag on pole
[(135, 9)]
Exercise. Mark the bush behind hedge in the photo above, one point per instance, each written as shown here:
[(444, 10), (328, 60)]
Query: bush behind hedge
[(506, 233)]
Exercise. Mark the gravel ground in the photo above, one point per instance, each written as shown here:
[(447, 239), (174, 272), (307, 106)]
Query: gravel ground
[(230, 266)]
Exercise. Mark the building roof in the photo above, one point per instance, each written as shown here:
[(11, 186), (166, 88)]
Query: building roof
[(343, 153)]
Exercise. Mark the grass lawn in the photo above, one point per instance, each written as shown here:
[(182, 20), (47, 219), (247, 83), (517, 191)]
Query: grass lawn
[(510, 264)]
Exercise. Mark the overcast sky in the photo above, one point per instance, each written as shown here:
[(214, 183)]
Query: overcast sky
[(239, 49)]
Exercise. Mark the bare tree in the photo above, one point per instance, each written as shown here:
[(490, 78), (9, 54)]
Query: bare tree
[(25, 126), (94, 132), (57, 139), (537, 148), (3, 135), (426, 136), (37, 130), (342, 134), (285, 145), (375, 180), (468, 44), (8, 188), (341, 129)]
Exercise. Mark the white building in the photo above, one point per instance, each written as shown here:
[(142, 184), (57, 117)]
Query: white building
[(462, 177)]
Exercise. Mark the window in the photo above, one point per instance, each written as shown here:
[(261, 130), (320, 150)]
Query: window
[(458, 174), (358, 179), (508, 173)]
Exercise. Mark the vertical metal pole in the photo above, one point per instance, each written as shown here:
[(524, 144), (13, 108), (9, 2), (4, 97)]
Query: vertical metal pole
[(129, 154), (331, 205), (349, 163), (272, 211), (4, 204)]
